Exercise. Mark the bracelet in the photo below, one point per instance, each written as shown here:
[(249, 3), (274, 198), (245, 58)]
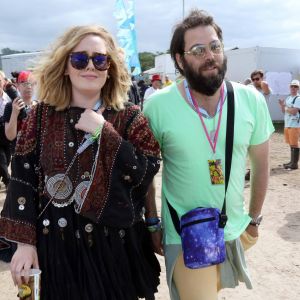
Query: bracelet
[(154, 228), (152, 221), (96, 135)]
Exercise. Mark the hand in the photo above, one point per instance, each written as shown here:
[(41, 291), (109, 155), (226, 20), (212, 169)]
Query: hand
[(90, 120), (281, 102), (17, 105), (252, 230), (24, 258), (157, 242)]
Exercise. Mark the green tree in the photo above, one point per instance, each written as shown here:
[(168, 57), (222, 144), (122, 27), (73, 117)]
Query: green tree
[(146, 60), (7, 51)]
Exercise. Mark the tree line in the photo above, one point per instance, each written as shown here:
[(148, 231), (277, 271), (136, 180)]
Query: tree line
[(146, 58)]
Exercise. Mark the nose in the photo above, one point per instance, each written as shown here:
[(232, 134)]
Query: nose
[(90, 65), (208, 53)]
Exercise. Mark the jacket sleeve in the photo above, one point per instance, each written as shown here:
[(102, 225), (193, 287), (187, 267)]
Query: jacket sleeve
[(125, 165), (18, 217)]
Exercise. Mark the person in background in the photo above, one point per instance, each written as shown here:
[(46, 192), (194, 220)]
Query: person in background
[(5, 247), (82, 166), (248, 81), (167, 81), (189, 120), (291, 109), (156, 85), (4, 143), (17, 111), (133, 93), (261, 85)]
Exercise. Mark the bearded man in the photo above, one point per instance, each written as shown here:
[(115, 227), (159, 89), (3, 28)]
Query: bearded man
[(189, 120)]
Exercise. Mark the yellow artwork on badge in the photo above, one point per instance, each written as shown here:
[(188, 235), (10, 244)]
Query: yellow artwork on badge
[(216, 171)]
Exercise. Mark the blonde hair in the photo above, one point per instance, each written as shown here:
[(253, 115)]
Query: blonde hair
[(55, 88)]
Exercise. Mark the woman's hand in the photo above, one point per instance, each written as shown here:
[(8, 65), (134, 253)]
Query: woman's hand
[(90, 120), (23, 260), (156, 238)]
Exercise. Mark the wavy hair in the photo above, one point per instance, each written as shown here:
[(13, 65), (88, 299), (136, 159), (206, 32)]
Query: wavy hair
[(55, 88), (194, 19)]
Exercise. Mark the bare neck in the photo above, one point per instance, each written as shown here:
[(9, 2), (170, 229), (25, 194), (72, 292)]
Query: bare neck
[(85, 100)]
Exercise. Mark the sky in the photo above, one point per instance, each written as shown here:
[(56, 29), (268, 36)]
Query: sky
[(33, 25)]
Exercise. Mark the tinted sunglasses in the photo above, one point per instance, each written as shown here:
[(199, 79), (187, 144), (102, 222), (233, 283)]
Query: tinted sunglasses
[(294, 86), (216, 47), (255, 79), (80, 60)]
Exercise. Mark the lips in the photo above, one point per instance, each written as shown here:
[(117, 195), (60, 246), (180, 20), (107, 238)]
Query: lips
[(89, 76)]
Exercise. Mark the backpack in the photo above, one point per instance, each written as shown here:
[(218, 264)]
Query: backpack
[(293, 102)]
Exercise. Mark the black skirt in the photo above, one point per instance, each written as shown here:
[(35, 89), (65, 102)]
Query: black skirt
[(87, 261)]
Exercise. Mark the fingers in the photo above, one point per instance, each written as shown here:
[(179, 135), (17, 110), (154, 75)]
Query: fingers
[(25, 272), (36, 263), (101, 110)]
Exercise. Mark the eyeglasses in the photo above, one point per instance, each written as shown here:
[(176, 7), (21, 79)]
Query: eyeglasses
[(216, 47), (80, 60), (27, 84), (255, 79), (294, 86)]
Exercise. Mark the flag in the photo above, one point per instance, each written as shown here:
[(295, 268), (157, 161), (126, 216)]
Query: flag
[(125, 15)]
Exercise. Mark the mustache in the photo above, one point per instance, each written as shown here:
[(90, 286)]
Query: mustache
[(208, 64)]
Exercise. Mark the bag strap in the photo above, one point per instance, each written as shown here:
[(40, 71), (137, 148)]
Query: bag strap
[(293, 102), (228, 159)]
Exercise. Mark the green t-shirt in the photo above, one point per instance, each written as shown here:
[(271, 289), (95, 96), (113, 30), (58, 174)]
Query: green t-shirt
[(186, 151)]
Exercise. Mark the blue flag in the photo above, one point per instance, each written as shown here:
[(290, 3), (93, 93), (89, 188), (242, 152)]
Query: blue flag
[(125, 15)]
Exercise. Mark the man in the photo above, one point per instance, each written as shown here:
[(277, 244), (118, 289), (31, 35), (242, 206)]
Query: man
[(187, 143), (291, 109), (261, 85), (4, 143), (168, 81), (156, 85)]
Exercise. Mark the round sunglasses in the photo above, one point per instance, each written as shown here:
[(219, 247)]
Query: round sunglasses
[(80, 60)]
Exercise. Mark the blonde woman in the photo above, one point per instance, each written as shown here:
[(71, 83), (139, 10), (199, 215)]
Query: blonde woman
[(82, 166)]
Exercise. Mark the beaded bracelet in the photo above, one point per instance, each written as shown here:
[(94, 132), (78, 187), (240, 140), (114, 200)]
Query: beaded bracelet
[(152, 221), (97, 132), (154, 228)]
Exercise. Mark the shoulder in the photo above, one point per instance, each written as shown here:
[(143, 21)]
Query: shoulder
[(162, 97)]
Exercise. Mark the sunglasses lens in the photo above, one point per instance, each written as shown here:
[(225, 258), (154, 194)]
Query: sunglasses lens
[(101, 62), (79, 60), (198, 50)]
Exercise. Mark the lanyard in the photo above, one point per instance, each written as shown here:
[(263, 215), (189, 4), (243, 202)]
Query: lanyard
[(213, 143)]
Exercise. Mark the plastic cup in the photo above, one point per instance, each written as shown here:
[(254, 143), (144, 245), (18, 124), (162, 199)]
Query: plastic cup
[(31, 290)]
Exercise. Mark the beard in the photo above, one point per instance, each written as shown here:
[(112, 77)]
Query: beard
[(206, 85)]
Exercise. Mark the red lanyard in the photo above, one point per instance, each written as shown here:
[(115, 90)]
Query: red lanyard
[(213, 144)]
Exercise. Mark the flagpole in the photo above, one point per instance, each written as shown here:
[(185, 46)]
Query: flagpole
[(182, 9)]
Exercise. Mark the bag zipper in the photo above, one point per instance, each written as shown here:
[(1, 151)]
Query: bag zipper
[(197, 222)]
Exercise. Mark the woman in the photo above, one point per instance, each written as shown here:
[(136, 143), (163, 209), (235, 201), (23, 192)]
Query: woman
[(82, 166), (16, 112)]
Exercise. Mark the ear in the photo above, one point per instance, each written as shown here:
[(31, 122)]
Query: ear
[(178, 60)]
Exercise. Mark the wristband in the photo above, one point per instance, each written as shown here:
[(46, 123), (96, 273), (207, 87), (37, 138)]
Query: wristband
[(152, 221), (97, 132), (154, 228)]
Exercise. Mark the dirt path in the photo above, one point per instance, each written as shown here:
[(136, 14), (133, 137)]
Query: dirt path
[(275, 260)]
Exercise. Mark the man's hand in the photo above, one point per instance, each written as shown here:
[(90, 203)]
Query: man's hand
[(252, 230)]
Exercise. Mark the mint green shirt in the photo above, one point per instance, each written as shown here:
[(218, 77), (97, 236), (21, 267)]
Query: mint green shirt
[(186, 151)]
